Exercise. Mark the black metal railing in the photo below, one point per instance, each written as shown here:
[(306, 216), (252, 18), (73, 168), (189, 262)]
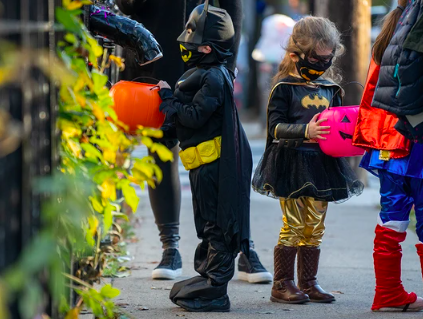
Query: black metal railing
[(31, 101)]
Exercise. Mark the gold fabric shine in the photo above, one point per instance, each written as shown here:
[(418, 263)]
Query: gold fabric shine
[(303, 222)]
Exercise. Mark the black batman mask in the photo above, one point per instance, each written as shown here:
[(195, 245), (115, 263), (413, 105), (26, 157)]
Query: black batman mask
[(190, 54), (208, 25)]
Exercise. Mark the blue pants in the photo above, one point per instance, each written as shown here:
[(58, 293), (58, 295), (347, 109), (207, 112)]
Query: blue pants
[(398, 195)]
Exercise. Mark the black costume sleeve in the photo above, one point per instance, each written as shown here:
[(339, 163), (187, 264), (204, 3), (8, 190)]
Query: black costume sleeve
[(279, 126), (205, 102)]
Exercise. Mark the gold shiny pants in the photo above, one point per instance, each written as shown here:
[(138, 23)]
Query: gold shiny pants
[(303, 222)]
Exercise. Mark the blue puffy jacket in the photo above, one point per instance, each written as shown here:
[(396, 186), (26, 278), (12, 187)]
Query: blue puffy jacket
[(400, 86)]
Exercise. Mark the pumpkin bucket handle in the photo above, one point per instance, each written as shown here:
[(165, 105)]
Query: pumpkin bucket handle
[(352, 82), (146, 77)]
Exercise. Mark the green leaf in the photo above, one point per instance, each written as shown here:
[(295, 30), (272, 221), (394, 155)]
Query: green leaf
[(130, 195), (96, 204), (109, 292), (101, 176), (111, 112), (91, 151), (70, 23), (30, 300), (147, 141), (39, 253), (95, 47), (71, 38), (108, 217), (101, 142), (120, 215), (158, 173), (162, 151), (99, 80)]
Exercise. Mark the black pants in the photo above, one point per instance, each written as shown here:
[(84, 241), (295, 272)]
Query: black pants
[(213, 258), (165, 201)]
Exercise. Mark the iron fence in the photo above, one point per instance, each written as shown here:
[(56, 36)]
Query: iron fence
[(31, 101)]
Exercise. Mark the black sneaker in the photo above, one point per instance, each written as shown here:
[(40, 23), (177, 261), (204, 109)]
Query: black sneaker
[(170, 267), (251, 269)]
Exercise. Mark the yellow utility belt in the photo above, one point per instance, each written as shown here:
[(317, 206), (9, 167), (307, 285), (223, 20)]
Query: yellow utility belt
[(203, 153)]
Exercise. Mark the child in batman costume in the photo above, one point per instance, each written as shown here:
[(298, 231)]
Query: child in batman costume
[(165, 198), (216, 152), (293, 169)]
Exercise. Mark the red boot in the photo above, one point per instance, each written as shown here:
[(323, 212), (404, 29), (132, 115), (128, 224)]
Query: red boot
[(420, 253), (387, 261)]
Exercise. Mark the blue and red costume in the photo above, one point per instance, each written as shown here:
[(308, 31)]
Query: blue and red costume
[(397, 162)]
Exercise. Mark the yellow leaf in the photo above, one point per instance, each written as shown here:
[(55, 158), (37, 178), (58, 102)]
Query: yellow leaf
[(98, 112), (130, 195), (162, 151), (73, 314), (133, 180), (118, 61), (144, 168), (96, 204), (97, 49), (76, 4), (109, 155), (80, 99), (108, 189), (92, 229), (74, 147), (79, 85), (69, 129)]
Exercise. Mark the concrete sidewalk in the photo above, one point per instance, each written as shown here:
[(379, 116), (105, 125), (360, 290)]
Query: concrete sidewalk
[(346, 265)]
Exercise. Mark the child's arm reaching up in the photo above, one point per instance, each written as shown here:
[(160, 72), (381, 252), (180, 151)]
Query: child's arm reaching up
[(205, 102)]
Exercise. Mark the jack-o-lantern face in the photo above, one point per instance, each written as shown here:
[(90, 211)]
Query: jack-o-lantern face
[(342, 121), (343, 134)]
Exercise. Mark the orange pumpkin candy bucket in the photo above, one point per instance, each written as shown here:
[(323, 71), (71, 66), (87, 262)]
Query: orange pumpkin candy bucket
[(137, 104)]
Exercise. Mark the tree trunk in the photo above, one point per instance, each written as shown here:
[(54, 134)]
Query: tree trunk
[(352, 19)]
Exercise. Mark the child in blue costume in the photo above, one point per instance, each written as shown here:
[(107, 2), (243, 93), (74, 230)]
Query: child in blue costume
[(401, 179)]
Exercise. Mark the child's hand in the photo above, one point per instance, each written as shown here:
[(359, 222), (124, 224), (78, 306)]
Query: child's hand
[(163, 85), (315, 130)]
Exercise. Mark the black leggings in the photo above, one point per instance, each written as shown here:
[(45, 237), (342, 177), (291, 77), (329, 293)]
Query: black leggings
[(166, 201)]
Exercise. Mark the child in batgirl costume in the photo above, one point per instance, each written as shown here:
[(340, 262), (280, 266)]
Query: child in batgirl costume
[(293, 169), (395, 159), (217, 154)]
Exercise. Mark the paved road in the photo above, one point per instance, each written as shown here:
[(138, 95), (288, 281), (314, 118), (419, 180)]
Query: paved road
[(346, 265)]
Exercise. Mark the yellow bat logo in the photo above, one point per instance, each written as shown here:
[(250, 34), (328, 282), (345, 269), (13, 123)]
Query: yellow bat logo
[(186, 55), (315, 100), (309, 71)]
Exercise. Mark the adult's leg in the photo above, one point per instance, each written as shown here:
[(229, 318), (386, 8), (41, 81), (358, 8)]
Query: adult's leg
[(396, 204), (309, 250), (165, 202)]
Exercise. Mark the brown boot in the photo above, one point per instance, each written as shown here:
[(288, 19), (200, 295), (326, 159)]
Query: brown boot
[(308, 263), (284, 289)]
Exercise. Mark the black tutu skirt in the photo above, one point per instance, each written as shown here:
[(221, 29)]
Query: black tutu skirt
[(305, 172)]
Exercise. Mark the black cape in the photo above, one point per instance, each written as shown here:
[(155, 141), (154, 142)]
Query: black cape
[(235, 171)]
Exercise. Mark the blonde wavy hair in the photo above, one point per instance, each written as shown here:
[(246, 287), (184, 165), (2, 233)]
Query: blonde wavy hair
[(312, 33)]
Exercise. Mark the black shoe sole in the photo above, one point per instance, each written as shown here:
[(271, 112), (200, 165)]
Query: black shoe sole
[(291, 302), (323, 301)]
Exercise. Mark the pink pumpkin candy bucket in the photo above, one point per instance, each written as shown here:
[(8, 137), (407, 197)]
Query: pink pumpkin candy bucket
[(342, 121)]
